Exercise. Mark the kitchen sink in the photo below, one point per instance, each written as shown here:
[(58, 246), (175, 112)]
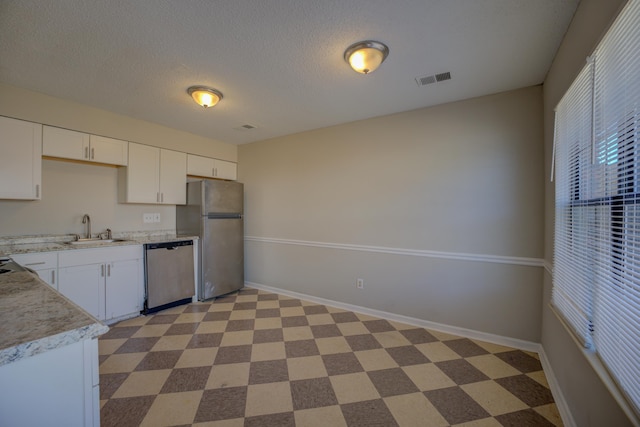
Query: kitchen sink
[(94, 241)]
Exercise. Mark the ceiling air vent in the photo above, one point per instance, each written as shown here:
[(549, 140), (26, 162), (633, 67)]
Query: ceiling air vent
[(427, 80), (245, 127), (443, 76)]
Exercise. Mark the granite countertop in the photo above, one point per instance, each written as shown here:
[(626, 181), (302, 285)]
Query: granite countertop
[(47, 243), (35, 318)]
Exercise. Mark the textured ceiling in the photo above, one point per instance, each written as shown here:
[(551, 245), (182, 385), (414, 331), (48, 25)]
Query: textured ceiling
[(278, 63)]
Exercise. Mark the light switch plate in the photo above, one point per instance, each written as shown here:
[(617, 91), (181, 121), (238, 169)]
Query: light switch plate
[(156, 217)]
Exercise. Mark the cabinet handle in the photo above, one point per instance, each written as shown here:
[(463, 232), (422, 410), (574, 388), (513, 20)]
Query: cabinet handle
[(102, 270), (162, 197), (157, 197), (37, 190), (216, 172), (93, 152), (35, 263), (53, 277), (86, 152), (108, 270)]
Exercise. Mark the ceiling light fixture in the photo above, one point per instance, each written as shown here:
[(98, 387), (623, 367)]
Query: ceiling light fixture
[(364, 57), (204, 96)]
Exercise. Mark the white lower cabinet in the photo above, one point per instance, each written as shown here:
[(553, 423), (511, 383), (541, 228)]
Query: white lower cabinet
[(84, 285), (121, 298), (45, 264), (106, 282), (58, 387)]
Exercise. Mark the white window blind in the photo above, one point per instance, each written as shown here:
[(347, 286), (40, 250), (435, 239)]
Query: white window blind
[(597, 241), (573, 255)]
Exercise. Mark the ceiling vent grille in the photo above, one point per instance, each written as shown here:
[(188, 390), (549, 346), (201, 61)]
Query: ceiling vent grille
[(427, 80), (443, 76), (245, 127)]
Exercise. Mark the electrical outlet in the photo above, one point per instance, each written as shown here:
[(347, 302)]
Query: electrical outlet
[(156, 217), (147, 218), (360, 284)]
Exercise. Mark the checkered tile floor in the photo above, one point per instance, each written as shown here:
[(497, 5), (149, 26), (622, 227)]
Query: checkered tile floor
[(260, 359)]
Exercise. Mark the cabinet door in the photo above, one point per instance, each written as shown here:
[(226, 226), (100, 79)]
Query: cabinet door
[(143, 174), (64, 143), (122, 288), (173, 177), (84, 285), (212, 168), (200, 166), (48, 276), (21, 159), (226, 170), (108, 150)]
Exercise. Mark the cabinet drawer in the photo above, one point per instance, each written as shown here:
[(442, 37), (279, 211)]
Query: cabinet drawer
[(37, 261), (99, 255)]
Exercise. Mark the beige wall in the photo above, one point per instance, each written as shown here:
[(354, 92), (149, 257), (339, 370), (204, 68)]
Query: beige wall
[(587, 398), (70, 189), (462, 178)]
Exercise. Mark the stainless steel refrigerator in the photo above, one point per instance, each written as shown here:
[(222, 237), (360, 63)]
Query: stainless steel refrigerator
[(214, 213)]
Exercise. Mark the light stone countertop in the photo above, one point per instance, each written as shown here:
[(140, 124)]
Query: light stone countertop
[(47, 243), (35, 318)]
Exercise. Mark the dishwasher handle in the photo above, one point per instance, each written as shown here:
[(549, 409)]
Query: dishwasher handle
[(168, 245)]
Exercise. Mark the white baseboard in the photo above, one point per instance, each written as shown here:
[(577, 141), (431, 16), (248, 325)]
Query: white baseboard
[(453, 330), (561, 403)]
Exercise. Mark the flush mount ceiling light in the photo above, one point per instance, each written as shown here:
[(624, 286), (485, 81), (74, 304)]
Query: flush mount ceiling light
[(204, 96), (364, 57)]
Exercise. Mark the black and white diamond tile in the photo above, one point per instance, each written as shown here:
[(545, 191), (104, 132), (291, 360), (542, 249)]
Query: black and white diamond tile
[(260, 359)]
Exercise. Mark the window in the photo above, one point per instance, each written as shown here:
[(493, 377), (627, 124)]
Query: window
[(596, 281)]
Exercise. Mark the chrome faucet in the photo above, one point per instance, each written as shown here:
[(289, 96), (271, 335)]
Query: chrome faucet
[(87, 220)]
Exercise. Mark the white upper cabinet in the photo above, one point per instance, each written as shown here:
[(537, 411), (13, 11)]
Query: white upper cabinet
[(199, 166), (154, 175), (173, 177), (142, 174), (69, 144), (211, 168), (108, 150), (20, 159), (226, 170)]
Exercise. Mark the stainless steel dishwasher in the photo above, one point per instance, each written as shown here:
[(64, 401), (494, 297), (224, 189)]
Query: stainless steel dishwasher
[(169, 275)]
